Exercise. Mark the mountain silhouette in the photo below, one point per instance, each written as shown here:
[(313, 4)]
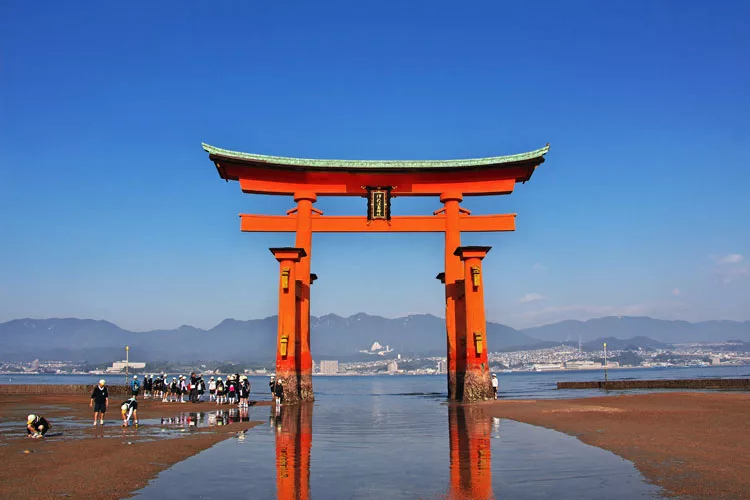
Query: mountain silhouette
[(332, 337)]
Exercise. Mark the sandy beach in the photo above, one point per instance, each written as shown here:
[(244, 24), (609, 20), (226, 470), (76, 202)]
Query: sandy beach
[(103, 462), (694, 445)]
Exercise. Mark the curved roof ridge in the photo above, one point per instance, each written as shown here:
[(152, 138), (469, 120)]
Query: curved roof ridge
[(377, 164)]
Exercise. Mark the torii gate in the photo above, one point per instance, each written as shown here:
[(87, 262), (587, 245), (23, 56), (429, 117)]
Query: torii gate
[(379, 181)]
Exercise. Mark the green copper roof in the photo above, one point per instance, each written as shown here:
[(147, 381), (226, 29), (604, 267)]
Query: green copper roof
[(376, 164)]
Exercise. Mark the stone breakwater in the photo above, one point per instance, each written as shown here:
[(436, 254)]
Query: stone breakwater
[(77, 389), (700, 383)]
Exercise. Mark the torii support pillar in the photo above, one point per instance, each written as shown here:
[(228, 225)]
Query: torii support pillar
[(288, 351), (473, 348), (454, 321)]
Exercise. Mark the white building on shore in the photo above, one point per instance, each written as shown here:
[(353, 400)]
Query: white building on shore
[(119, 366)]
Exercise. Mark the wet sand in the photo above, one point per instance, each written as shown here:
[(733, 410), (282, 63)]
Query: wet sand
[(694, 445), (103, 462)]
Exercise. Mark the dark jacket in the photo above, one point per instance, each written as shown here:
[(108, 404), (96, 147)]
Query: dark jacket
[(100, 394)]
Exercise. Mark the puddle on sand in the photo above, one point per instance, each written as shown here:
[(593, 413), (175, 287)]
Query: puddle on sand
[(68, 428), (398, 447)]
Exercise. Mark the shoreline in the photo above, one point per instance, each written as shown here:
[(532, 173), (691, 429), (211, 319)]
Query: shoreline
[(98, 462), (691, 444)]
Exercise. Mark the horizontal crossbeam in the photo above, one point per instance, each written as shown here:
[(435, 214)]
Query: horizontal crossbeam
[(358, 224)]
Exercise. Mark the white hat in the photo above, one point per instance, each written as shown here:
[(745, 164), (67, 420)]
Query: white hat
[(30, 418), (494, 375), (273, 375), (212, 378), (135, 376), (101, 382)]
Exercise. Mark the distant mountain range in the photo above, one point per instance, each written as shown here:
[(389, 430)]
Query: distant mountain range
[(622, 327), (332, 337)]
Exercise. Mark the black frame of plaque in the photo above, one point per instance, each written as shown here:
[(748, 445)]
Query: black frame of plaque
[(372, 194)]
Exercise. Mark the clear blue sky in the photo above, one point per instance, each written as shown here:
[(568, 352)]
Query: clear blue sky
[(110, 209)]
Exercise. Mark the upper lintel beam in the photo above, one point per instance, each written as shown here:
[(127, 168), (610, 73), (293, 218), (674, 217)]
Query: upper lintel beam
[(403, 184)]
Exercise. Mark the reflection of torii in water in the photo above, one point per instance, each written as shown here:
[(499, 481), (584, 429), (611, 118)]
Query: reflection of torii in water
[(471, 456), (293, 429), (469, 427)]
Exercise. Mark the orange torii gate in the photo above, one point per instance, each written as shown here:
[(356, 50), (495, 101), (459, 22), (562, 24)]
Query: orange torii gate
[(379, 181)]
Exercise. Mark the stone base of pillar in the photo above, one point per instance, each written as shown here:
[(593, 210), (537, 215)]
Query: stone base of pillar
[(476, 386), (298, 388), (306, 388), (290, 383)]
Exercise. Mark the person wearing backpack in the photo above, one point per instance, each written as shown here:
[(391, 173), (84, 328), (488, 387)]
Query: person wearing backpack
[(201, 388), (193, 388), (174, 390), (220, 393), (148, 386), (232, 391), (243, 391), (135, 386)]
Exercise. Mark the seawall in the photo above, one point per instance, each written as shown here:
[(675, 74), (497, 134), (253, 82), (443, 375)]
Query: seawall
[(78, 389), (700, 383)]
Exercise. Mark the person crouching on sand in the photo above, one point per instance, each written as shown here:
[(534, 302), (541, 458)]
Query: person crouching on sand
[(100, 401), (36, 426), (129, 409)]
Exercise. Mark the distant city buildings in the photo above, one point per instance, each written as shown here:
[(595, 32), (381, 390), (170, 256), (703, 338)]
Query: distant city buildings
[(562, 357), (119, 366), (585, 365), (329, 367), (545, 367)]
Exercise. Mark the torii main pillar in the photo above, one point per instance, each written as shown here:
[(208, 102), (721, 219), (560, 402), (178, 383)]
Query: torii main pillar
[(289, 339), (305, 200), (454, 318)]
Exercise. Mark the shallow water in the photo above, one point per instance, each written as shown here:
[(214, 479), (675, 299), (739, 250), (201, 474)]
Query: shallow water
[(373, 439)]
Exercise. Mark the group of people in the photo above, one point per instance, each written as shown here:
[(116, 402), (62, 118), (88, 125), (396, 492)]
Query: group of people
[(234, 390), (174, 390)]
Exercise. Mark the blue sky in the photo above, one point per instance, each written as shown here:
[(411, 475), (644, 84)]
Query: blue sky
[(110, 209)]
